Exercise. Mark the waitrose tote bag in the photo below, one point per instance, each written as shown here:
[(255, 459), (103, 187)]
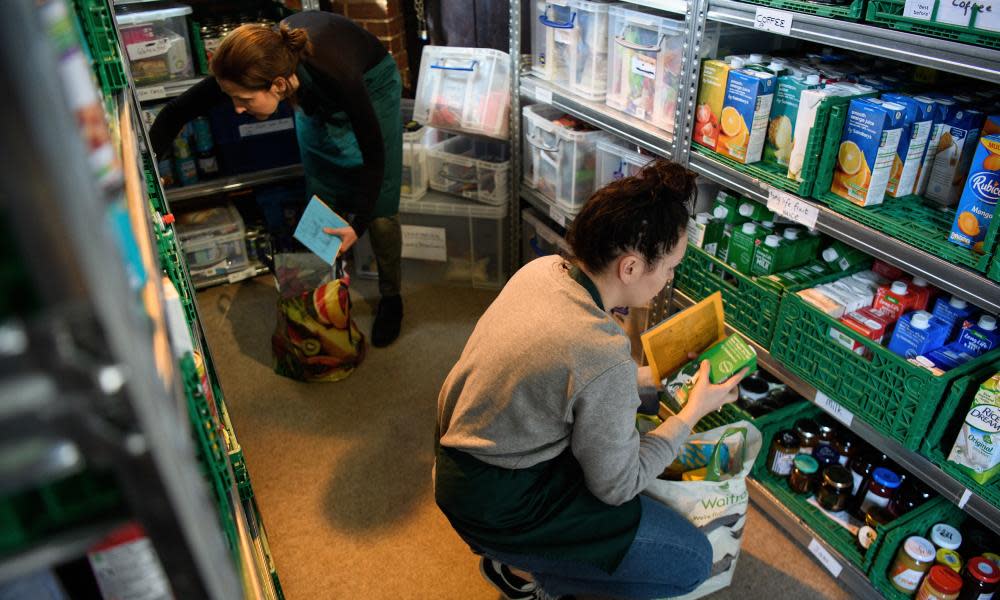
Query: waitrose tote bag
[(718, 508)]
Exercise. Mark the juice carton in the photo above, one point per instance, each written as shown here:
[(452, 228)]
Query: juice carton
[(743, 122), (991, 126), (953, 311), (979, 199), (867, 148), (870, 323), (976, 448), (743, 245), (894, 300), (805, 121), (770, 255), (917, 333), (711, 93), (726, 357), (919, 121), (955, 152), (705, 232), (784, 111)]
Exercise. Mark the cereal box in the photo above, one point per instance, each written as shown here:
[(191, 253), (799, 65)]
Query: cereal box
[(867, 150), (979, 199), (745, 112)]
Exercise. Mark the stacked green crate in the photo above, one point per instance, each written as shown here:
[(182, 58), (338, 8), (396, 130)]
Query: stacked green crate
[(850, 12), (98, 28), (891, 14)]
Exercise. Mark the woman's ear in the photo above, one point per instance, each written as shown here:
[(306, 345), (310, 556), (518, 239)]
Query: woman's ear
[(629, 268), (280, 87)]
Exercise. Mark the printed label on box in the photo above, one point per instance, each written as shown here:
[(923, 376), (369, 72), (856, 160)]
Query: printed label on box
[(264, 127), (644, 65), (425, 243)]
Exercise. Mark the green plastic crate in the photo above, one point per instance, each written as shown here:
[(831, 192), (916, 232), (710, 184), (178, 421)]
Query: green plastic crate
[(777, 176), (939, 512), (102, 42), (943, 432), (852, 12), (910, 219), (750, 307), (28, 516), (836, 536), (897, 398), (153, 188), (890, 14), (994, 272)]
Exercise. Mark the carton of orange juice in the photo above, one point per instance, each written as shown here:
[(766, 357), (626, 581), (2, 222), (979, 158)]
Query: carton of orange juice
[(955, 151), (745, 112), (711, 93), (867, 150), (917, 125), (979, 199)]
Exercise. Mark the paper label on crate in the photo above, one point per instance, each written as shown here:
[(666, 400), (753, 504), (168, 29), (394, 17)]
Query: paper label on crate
[(774, 21), (825, 558), (148, 49), (836, 410), (152, 92), (966, 495), (264, 127), (956, 12), (644, 66), (556, 215), (918, 9), (792, 207), (543, 95), (425, 243)]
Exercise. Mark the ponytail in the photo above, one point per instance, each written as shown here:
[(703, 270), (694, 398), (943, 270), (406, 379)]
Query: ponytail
[(253, 56)]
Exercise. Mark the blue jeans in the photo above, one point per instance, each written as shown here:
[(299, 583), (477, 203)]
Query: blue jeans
[(668, 557)]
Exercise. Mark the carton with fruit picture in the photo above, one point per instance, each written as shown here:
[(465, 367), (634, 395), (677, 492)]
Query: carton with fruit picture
[(867, 150), (784, 110), (979, 198), (711, 94), (955, 151), (744, 117)]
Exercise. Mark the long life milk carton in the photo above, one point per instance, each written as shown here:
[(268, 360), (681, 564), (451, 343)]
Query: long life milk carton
[(745, 112), (867, 150), (917, 125)]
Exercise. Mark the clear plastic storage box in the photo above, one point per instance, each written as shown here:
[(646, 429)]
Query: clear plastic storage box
[(470, 167), (415, 143), (616, 160), (156, 41), (538, 239), (464, 90), (645, 55), (213, 241), (569, 38), (559, 162), (447, 240)]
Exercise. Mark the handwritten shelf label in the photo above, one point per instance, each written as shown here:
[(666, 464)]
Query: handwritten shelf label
[(156, 92), (774, 21), (793, 208), (825, 558), (836, 410)]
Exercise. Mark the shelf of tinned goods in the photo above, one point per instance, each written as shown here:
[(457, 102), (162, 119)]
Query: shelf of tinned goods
[(547, 207), (950, 489), (598, 114), (943, 274), (944, 55), (233, 183), (163, 91)]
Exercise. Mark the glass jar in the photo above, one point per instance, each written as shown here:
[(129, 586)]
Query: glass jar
[(808, 432), (950, 559), (847, 447), (825, 455), (753, 390), (945, 536), (908, 497), (979, 580), (913, 559), (941, 583), (784, 447), (994, 558), (835, 488), (881, 487), (804, 469), (976, 539), (827, 431)]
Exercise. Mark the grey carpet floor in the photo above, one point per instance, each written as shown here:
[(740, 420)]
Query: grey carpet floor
[(341, 471)]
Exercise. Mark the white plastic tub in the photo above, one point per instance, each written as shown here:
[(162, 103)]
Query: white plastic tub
[(156, 41), (213, 241), (615, 160), (559, 162), (645, 56), (569, 45), (415, 143), (464, 90), (473, 168)]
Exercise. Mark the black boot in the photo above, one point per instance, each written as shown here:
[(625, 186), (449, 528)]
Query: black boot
[(387, 321)]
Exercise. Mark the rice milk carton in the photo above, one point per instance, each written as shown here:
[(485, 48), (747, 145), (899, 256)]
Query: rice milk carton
[(784, 111), (955, 151), (711, 93), (977, 447), (867, 150), (745, 112), (919, 121), (944, 110), (979, 199)]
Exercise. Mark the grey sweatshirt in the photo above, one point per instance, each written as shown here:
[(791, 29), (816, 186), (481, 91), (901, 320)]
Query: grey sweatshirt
[(546, 369)]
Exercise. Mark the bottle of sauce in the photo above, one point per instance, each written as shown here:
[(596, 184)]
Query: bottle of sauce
[(941, 583), (847, 447), (911, 495), (913, 559), (784, 447)]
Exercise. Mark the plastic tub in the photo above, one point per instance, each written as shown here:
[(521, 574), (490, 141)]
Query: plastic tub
[(155, 37), (538, 239), (559, 162), (415, 143), (472, 168), (213, 241), (645, 55), (464, 90), (569, 45), (614, 161)]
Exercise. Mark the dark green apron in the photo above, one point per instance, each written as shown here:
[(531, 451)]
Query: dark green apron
[(328, 144)]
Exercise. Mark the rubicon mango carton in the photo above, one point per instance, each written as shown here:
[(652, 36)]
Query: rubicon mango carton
[(919, 121), (955, 150), (867, 149), (711, 93), (944, 110), (745, 112), (979, 199)]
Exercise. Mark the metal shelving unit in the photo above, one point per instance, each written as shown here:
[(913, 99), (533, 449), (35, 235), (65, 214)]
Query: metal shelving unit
[(953, 57), (166, 90), (233, 183), (546, 206)]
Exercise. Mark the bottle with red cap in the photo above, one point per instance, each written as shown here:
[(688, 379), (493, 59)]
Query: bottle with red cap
[(980, 579), (941, 583)]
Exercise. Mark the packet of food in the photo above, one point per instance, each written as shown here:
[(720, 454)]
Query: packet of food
[(726, 358)]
